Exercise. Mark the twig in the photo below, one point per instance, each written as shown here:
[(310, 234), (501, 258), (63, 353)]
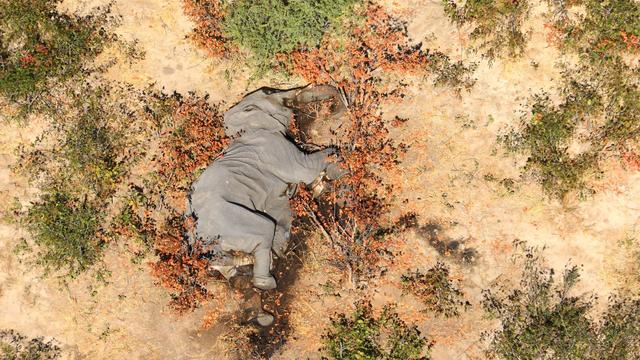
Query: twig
[(317, 222)]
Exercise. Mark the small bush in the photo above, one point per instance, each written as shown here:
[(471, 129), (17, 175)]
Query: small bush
[(455, 75), (546, 134), (208, 16), (194, 139), (92, 144), (618, 331), (181, 270), (40, 47), (14, 346), (365, 336), (607, 27), (271, 27), (65, 230), (78, 162), (497, 25), (436, 290), (541, 319), (598, 115)]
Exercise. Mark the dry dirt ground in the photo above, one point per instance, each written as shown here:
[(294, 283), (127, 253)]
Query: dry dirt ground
[(448, 172)]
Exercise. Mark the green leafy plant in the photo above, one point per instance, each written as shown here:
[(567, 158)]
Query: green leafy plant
[(605, 28), (365, 336), (598, 116), (455, 75), (497, 25), (436, 290), (271, 27), (65, 230), (41, 47), (618, 334), (15, 346), (546, 133), (91, 145), (543, 319), (78, 162)]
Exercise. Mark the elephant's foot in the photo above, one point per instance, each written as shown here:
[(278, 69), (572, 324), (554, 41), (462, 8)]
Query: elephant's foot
[(228, 271), (264, 282), (265, 319), (228, 264)]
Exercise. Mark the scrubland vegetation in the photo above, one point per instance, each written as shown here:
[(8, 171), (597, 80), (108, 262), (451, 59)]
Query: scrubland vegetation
[(497, 26), (363, 335), (115, 163), (542, 318), (42, 48), (15, 346), (597, 116), (436, 290)]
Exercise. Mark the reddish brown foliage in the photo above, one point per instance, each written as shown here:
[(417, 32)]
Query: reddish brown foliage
[(553, 35), (632, 160), (195, 138), (36, 58), (630, 40), (207, 15), (353, 215), (180, 270), (381, 43)]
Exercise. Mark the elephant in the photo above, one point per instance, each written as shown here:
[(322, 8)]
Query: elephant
[(240, 203)]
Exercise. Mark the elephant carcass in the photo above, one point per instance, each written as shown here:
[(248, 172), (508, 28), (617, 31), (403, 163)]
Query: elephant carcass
[(240, 202)]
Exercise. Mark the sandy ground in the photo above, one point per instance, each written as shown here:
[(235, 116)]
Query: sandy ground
[(453, 153)]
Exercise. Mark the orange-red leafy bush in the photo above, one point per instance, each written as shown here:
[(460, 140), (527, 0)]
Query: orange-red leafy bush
[(195, 139), (180, 270), (208, 16), (353, 215), (189, 143)]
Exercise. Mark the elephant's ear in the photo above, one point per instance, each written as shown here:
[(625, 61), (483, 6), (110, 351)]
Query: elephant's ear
[(263, 110)]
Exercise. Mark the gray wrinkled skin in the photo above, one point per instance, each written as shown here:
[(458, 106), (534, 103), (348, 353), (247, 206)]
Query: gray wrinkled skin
[(240, 201)]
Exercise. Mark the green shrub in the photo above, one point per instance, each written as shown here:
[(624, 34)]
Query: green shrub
[(91, 143), (619, 86), (607, 27), (78, 162), (14, 346), (542, 319), (40, 47), (82, 151), (455, 75), (618, 332), (365, 336), (546, 133), (497, 25), (436, 290), (599, 109), (65, 230), (271, 27)]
